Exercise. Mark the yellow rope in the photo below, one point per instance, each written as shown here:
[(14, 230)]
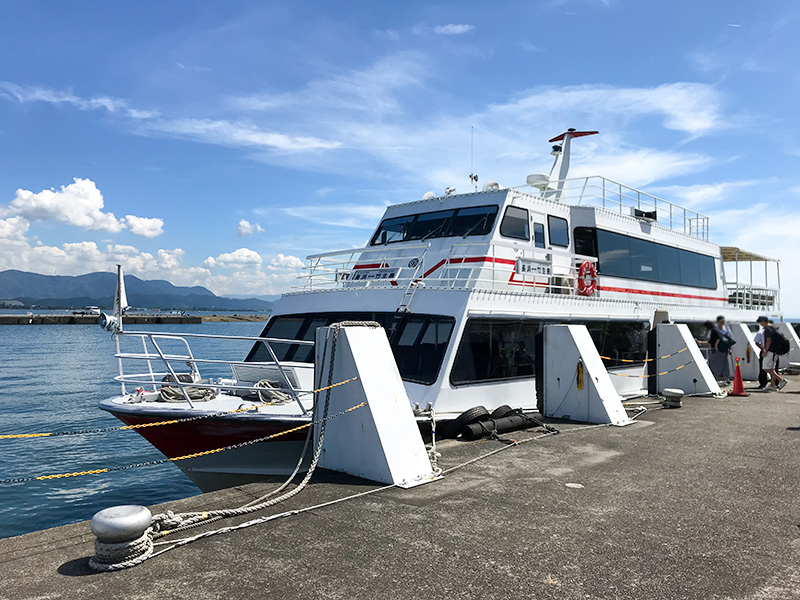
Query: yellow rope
[(196, 454), (12, 436), (628, 360)]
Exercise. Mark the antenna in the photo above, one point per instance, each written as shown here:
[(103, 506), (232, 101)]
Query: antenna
[(472, 177)]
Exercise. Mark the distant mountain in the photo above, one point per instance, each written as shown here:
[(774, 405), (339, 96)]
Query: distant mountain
[(64, 291), (265, 298)]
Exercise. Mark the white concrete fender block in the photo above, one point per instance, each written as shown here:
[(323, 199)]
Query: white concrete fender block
[(794, 342), (379, 441), (686, 370), (596, 400), (746, 351)]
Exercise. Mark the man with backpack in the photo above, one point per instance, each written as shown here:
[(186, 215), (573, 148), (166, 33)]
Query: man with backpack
[(775, 345)]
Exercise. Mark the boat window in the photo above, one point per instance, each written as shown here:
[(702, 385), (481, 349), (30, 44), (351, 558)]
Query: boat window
[(392, 230), (495, 349), (426, 225), (620, 343), (559, 231), (634, 258), (472, 220), (585, 241), (538, 235), (515, 224), (503, 349), (418, 346), (669, 264)]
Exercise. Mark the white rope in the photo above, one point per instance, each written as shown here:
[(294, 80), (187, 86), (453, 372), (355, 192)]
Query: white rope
[(122, 555)]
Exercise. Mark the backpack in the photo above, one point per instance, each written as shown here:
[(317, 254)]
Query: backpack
[(726, 341), (780, 345)]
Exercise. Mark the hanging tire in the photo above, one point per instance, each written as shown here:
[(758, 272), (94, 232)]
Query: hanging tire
[(502, 411), (472, 415)]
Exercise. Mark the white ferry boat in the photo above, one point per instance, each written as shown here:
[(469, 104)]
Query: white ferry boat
[(462, 283)]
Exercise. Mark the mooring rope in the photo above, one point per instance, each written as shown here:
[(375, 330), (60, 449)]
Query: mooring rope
[(222, 413), (129, 554)]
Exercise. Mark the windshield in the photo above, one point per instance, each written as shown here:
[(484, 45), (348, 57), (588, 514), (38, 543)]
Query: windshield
[(468, 221), (418, 345)]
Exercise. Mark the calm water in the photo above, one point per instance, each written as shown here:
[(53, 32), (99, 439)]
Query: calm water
[(51, 379)]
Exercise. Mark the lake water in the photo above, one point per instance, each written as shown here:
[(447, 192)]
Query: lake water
[(51, 379)]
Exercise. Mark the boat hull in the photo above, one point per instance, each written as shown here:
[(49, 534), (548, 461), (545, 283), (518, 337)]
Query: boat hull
[(255, 462)]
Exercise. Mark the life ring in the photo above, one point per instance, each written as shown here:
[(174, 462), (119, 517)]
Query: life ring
[(587, 285)]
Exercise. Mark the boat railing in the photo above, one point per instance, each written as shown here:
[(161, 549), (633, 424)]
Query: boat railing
[(370, 267), (524, 269), (466, 265), (158, 348), (753, 297), (615, 196)]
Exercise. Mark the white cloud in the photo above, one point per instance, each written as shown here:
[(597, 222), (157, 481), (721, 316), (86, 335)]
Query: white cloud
[(369, 91), (236, 134), (341, 215), (702, 195), (80, 204), (453, 29), (285, 262), (13, 228), (110, 104), (144, 226), (234, 260), (245, 228)]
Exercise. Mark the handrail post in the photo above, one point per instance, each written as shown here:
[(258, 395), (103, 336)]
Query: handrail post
[(171, 370), (119, 362), (285, 377)]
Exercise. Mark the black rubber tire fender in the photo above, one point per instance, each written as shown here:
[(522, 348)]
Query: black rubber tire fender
[(502, 411), (469, 416)]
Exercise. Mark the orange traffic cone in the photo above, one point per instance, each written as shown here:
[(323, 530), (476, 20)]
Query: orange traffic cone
[(738, 386)]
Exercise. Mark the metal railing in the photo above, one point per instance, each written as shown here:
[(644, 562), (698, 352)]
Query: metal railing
[(618, 197), (754, 297), (469, 265), (153, 344)]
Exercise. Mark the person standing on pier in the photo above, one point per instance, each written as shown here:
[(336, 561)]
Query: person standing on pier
[(769, 357)]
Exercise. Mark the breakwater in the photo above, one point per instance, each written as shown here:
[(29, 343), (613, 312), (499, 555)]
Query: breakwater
[(33, 319)]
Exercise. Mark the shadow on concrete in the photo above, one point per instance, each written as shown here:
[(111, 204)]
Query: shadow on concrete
[(76, 568)]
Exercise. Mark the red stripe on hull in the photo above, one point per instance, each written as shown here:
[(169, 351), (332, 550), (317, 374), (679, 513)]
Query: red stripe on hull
[(208, 434), (605, 288)]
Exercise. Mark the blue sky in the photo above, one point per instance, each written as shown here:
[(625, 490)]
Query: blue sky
[(220, 143)]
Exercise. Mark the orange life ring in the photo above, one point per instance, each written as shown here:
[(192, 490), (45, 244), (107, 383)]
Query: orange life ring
[(587, 285)]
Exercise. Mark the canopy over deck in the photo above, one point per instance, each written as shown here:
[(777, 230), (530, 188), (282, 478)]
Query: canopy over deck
[(734, 254)]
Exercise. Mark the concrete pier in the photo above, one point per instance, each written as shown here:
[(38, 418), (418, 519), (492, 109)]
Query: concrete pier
[(699, 502)]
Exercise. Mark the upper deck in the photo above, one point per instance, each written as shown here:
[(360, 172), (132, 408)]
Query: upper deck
[(589, 237)]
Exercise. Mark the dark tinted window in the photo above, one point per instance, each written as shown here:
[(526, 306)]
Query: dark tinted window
[(620, 343), (585, 242), (515, 224), (496, 349), (635, 258), (493, 349), (614, 254), (559, 232), (643, 259), (395, 230), (418, 346), (476, 220), (538, 235), (433, 224), (669, 264)]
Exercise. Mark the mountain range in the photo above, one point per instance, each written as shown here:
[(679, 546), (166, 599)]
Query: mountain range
[(67, 291)]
